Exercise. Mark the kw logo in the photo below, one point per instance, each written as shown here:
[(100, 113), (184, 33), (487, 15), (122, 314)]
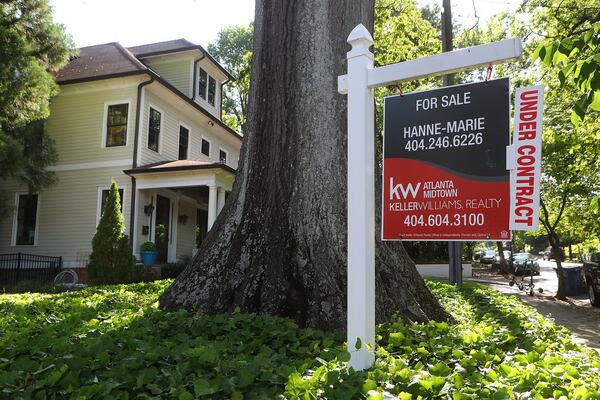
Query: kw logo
[(396, 191)]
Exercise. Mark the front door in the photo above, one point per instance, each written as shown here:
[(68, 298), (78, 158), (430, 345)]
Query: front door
[(161, 228)]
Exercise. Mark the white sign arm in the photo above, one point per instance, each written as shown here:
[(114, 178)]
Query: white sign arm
[(441, 64)]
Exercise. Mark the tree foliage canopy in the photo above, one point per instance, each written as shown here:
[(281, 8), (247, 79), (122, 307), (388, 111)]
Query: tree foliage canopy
[(233, 49), (572, 40), (33, 46)]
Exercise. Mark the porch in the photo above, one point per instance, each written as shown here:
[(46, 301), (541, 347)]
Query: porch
[(175, 205)]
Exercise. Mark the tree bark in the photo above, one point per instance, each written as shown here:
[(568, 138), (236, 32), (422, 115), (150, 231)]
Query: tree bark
[(279, 245), (504, 266), (554, 240)]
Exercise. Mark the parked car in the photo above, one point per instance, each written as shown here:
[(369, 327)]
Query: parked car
[(591, 272), (506, 256), (550, 255), (488, 257), (523, 264)]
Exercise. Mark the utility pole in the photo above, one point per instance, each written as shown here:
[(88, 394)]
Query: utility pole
[(447, 37), (454, 248)]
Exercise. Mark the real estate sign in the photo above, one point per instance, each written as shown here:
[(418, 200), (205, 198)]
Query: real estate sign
[(444, 169)]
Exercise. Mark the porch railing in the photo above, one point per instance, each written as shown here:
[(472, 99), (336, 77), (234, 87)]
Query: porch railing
[(21, 267)]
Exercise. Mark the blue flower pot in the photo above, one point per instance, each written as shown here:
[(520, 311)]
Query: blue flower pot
[(149, 257)]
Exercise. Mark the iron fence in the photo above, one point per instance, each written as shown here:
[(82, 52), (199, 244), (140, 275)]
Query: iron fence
[(21, 267)]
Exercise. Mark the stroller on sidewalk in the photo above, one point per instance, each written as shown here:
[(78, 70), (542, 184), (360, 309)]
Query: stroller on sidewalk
[(526, 271)]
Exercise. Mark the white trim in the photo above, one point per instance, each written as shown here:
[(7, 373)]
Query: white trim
[(135, 211), (105, 117), (167, 58), (192, 72), (173, 182), (202, 137), (91, 165), (99, 203), (140, 120), (186, 126), (226, 155), (100, 85), (13, 239), (163, 115)]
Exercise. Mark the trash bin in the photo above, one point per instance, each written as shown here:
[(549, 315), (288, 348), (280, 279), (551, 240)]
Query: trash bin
[(572, 276)]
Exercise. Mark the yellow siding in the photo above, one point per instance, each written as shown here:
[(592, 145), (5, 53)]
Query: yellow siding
[(77, 121), (177, 73), (67, 213), (169, 142)]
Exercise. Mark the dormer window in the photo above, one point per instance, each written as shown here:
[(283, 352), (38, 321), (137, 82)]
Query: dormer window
[(222, 156), (212, 89), (202, 83), (207, 87)]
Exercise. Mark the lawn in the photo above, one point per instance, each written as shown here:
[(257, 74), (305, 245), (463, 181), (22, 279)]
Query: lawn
[(113, 342)]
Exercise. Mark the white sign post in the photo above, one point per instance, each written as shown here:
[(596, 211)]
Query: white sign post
[(358, 84)]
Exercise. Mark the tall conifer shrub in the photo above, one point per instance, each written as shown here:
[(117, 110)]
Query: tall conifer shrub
[(111, 260)]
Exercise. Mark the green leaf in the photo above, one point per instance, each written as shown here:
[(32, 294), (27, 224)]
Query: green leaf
[(440, 369), (358, 344), (185, 395), (343, 356), (595, 103), (368, 385)]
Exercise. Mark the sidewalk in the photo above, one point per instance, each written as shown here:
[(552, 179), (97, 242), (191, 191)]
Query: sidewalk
[(577, 314)]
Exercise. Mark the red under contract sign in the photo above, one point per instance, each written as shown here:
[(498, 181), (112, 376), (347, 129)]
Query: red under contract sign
[(444, 169)]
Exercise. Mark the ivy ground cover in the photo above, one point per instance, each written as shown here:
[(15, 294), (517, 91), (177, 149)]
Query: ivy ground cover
[(112, 342)]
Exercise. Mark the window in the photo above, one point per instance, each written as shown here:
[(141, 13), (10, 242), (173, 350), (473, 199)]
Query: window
[(184, 135), (116, 124), (212, 88), (26, 219), (105, 196), (202, 83), (154, 129), (205, 147), (222, 156), (207, 86)]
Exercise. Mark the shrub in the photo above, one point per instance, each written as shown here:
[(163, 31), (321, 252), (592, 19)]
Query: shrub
[(111, 260), (148, 246)]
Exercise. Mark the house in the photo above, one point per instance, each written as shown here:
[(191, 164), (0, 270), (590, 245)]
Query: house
[(148, 116)]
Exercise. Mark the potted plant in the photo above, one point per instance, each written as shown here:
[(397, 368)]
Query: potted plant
[(149, 253)]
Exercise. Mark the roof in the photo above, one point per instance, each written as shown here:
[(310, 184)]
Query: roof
[(103, 60), (169, 46), (178, 165), (111, 60)]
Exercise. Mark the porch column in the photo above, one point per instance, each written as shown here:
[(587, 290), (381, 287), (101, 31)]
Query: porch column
[(221, 198), (212, 205)]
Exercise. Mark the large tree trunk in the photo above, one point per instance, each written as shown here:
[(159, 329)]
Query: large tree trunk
[(279, 245), (504, 267), (554, 239)]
